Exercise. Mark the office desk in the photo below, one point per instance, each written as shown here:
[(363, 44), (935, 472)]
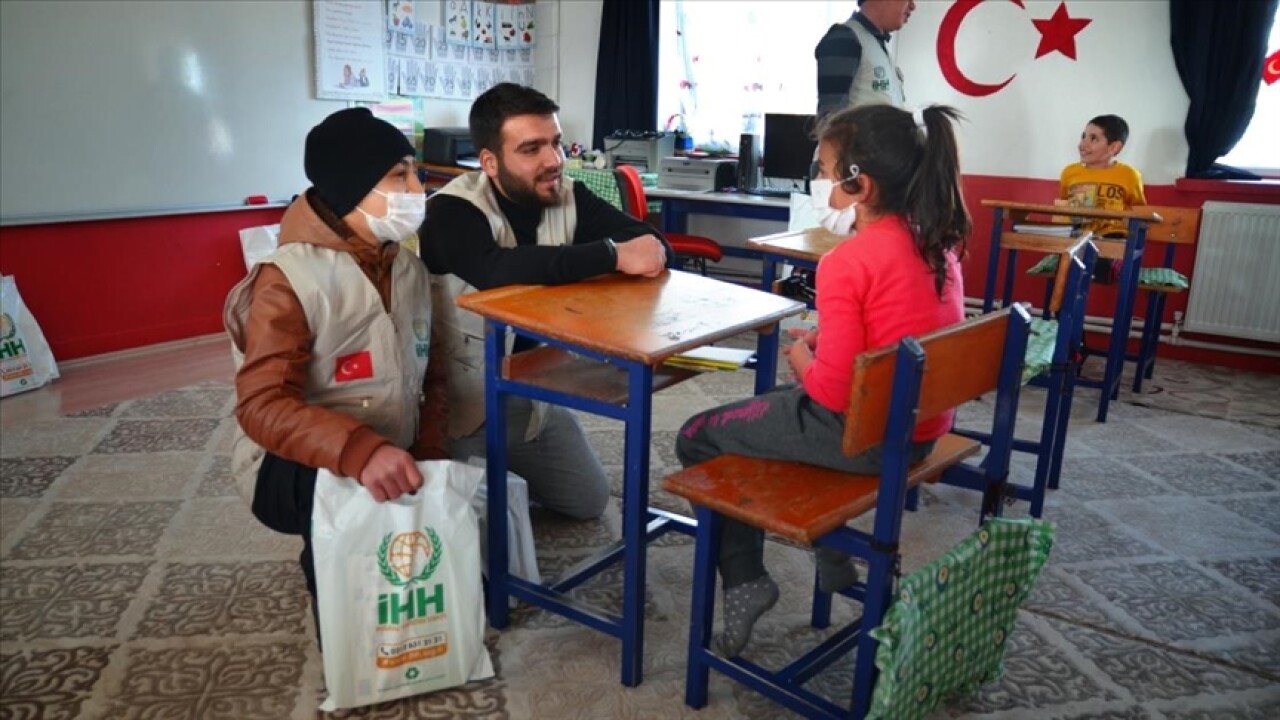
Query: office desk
[(803, 248), (677, 205), (606, 340), (1129, 251)]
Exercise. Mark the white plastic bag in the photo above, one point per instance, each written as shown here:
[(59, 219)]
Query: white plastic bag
[(398, 584), (258, 242), (522, 555), (26, 362)]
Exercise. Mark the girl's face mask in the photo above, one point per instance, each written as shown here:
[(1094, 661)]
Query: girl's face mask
[(837, 220)]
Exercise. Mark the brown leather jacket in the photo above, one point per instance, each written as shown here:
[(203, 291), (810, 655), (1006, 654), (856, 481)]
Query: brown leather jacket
[(269, 385)]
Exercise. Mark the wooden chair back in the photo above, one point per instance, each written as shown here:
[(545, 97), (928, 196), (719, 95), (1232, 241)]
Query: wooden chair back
[(962, 362)]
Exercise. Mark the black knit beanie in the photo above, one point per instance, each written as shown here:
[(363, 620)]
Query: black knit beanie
[(348, 153)]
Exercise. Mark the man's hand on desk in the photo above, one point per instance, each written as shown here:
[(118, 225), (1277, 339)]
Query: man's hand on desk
[(643, 255)]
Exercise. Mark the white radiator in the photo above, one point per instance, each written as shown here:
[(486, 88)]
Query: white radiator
[(1235, 288)]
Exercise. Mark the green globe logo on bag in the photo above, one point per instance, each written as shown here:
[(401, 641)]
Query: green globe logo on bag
[(404, 559), (399, 555), (7, 327)]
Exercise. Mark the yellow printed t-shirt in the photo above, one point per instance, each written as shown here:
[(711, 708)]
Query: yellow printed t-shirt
[(1118, 187)]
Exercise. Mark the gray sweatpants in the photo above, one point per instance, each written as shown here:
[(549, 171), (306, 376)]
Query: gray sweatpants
[(782, 424), (562, 470)]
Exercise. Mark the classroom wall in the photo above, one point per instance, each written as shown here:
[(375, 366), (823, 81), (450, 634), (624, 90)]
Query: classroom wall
[(110, 285), (105, 285)]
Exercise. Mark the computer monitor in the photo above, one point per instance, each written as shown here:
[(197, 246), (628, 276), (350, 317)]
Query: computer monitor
[(788, 146)]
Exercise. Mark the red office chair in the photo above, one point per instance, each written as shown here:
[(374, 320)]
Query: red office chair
[(687, 248)]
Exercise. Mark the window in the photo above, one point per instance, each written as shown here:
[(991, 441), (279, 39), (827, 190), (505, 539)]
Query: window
[(1259, 149), (722, 66)]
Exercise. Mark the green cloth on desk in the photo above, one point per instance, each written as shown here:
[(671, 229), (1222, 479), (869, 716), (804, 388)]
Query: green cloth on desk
[(946, 630), (1164, 277), (601, 182), (1047, 266), (1040, 344)]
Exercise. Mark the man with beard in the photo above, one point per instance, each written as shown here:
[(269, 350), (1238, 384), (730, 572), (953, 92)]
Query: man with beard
[(518, 221)]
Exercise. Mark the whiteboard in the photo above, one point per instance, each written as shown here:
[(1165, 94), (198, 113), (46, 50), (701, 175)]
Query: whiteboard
[(146, 107)]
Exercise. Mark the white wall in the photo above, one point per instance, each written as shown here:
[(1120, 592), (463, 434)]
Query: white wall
[(1030, 128), (565, 61)]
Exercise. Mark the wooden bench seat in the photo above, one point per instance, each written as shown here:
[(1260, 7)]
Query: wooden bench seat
[(796, 501)]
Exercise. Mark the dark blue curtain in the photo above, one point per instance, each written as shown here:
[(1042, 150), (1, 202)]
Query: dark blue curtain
[(1218, 48), (626, 68)]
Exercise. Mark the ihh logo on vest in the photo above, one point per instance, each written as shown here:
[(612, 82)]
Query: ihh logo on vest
[(407, 561), (422, 332), (881, 83)]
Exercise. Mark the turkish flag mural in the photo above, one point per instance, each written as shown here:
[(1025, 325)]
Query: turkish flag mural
[(1271, 68), (1057, 34), (1029, 74)]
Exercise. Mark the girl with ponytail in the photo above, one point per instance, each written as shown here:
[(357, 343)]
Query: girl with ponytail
[(892, 179)]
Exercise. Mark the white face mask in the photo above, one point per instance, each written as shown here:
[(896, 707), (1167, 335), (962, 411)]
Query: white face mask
[(405, 213), (837, 220)]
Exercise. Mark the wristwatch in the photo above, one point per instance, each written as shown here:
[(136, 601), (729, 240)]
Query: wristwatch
[(613, 249)]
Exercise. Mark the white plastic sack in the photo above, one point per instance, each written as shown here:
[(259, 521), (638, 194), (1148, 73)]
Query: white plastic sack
[(26, 362), (258, 242), (522, 556), (398, 584)]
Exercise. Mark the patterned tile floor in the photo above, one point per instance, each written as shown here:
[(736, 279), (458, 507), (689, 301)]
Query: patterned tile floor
[(135, 584)]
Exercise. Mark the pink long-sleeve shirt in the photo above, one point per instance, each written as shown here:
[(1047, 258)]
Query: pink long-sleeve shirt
[(873, 290)]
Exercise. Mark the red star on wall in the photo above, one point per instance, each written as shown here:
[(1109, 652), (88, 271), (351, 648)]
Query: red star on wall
[(1058, 33)]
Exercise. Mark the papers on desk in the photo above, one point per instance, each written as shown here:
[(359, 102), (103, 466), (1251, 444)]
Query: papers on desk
[(472, 163), (711, 358), (1054, 230)]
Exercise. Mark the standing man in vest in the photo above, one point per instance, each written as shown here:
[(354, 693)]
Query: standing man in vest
[(518, 221), (336, 366), (854, 67)]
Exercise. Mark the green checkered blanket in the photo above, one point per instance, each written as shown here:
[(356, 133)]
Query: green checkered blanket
[(600, 182), (1040, 342), (946, 632), (605, 186), (1164, 277), (1048, 265)]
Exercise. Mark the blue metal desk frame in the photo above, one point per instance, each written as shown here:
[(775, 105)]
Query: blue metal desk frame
[(1127, 294), (640, 523)]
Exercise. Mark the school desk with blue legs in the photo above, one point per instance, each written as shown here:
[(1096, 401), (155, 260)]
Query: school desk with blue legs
[(678, 205), (1129, 251), (802, 248), (605, 343)]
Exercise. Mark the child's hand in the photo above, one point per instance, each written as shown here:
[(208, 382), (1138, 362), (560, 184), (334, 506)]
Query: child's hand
[(800, 357), (808, 335)]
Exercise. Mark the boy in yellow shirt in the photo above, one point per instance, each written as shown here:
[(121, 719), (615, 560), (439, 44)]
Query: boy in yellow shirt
[(1100, 181)]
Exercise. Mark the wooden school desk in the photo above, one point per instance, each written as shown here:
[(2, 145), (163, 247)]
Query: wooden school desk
[(802, 248), (606, 340), (1128, 250)]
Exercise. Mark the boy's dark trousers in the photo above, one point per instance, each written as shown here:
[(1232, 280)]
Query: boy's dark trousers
[(282, 501)]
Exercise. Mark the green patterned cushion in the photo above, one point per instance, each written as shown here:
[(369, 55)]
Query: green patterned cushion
[(1047, 266), (600, 182), (1040, 342), (946, 631), (1165, 277)]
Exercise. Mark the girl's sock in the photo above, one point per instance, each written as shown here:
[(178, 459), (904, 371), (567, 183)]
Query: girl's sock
[(743, 605)]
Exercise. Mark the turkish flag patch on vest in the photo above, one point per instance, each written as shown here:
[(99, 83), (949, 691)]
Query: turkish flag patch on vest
[(355, 366)]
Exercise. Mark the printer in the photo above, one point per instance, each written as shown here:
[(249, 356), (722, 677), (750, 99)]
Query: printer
[(697, 173), (643, 150), (450, 147)]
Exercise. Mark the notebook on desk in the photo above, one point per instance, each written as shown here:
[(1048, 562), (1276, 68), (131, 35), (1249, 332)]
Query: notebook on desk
[(1041, 229)]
